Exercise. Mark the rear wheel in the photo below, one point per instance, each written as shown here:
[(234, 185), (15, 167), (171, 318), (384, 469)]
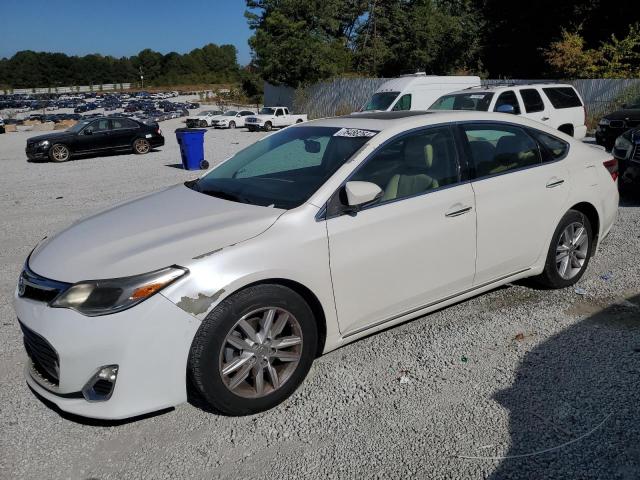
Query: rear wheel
[(299, 120), (141, 146), (253, 350), (59, 153), (569, 252)]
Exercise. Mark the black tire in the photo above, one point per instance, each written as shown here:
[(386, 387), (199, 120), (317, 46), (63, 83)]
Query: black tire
[(268, 127), (232, 124), (203, 366), (203, 124), (550, 276), (57, 153), (299, 120), (204, 165)]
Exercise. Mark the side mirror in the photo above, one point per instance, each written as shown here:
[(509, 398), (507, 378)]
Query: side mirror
[(504, 108), (88, 131), (312, 146), (361, 193)]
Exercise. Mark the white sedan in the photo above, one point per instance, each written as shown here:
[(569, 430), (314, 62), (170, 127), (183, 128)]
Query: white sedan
[(309, 239), (231, 119)]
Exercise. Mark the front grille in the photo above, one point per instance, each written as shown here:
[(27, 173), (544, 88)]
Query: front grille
[(42, 354), (34, 287)]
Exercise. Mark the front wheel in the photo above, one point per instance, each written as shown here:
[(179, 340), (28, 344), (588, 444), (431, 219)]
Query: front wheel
[(203, 124), (59, 153), (268, 127), (569, 252), (253, 350), (232, 124)]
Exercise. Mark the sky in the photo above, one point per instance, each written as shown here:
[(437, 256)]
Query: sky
[(120, 27)]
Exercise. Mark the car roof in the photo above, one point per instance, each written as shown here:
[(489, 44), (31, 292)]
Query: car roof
[(396, 122), (510, 86)]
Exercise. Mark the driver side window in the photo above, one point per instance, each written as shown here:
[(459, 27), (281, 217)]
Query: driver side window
[(413, 165), (99, 125)]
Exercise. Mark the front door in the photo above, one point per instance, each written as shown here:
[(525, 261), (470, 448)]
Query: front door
[(94, 136), (413, 247)]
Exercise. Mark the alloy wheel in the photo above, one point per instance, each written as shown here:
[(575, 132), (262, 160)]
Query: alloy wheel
[(261, 352), (572, 250), (141, 146), (60, 153)]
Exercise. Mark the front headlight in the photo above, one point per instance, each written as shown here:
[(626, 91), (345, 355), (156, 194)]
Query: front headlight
[(604, 122), (103, 297), (43, 143)]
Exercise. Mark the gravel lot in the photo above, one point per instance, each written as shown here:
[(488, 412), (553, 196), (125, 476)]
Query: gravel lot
[(511, 373)]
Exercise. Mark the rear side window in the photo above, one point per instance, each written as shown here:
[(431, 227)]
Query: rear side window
[(562, 97), (555, 148), (508, 98), (497, 149), (123, 123), (532, 100)]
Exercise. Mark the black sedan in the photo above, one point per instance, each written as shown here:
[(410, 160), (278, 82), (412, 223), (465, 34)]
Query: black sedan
[(614, 124), (94, 136), (627, 151)]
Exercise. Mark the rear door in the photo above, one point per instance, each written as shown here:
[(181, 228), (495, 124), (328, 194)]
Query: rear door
[(535, 107), (123, 132), (520, 195)]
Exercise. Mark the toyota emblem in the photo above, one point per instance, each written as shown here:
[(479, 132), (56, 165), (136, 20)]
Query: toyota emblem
[(21, 286)]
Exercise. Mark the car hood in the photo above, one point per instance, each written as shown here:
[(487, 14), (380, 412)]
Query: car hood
[(48, 136), (633, 114), (170, 227)]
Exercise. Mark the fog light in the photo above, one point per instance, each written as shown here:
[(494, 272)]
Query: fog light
[(100, 387)]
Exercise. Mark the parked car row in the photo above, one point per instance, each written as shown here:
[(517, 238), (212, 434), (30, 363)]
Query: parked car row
[(267, 119)]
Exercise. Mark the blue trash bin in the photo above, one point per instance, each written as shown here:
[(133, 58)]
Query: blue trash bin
[(191, 141)]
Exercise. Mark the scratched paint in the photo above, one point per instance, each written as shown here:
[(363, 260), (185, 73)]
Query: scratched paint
[(198, 306)]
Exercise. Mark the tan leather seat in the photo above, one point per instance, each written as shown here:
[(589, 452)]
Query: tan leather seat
[(418, 160)]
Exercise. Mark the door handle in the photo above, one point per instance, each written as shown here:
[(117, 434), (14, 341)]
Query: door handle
[(555, 183), (458, 212), (544, 119)]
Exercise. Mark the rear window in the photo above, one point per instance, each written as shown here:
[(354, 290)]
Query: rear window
[(563, 97)]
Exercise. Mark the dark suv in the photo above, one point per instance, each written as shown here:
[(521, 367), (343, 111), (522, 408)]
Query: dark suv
[(95, 135), (614, 124)]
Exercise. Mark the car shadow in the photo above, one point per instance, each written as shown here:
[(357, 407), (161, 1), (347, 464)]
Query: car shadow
[(179, 166), (94, 422), (84, 156), (573, 404)]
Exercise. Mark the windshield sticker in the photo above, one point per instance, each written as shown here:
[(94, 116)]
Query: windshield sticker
[(476, 96), (354, 132)]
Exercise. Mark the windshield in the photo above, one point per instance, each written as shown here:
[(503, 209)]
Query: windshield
[(478, 101), (268, 111), (380, 101), (231, 113), (284, 169), (211, 112), (78, 126)]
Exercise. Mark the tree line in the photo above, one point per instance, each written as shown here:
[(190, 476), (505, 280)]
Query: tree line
[(209, 64), (297, 42)]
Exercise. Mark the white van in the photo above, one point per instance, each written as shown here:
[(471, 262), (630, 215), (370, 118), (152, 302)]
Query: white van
[(416, 92)]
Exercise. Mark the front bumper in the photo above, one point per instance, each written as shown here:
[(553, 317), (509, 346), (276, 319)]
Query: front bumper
[(37, 152), (149, 342)]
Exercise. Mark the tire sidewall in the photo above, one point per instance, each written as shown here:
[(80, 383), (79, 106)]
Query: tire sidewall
[(551, 270), (209, 340)]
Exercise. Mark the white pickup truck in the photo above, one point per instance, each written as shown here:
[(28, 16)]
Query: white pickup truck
[(273, 117)]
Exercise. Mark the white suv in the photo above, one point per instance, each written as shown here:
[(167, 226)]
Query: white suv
[(556, 105)]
